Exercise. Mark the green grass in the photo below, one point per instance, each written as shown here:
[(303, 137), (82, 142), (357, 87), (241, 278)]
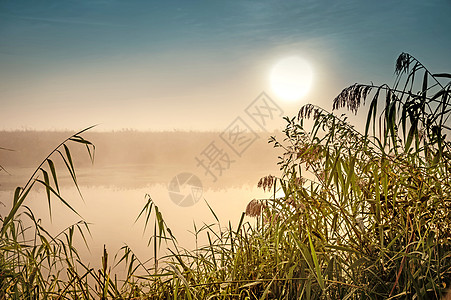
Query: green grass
[(363, 216)]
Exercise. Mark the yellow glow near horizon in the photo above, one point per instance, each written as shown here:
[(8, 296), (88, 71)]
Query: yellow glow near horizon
[(291, 78)]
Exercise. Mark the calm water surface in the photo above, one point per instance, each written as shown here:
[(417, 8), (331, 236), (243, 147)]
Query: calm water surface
[(129, 166), (112, 209)]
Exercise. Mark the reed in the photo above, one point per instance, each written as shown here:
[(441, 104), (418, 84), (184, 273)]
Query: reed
[(363, 216)]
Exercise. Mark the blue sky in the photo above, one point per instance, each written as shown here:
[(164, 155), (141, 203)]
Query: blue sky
[(163, 65)]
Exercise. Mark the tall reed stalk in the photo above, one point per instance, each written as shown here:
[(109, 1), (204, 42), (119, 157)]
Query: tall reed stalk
[(364, 215)]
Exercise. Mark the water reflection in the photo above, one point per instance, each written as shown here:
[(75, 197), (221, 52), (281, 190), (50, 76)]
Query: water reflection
[(127, 167), (112, 211)]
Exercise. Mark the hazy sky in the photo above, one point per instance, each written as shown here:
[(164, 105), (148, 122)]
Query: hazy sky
[(163, 65)]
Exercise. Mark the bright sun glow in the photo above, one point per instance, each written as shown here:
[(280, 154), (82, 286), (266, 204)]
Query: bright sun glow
[(291, 78)]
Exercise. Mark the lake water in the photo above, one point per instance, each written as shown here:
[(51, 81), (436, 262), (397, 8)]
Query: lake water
[(114, 192), (112, 212)]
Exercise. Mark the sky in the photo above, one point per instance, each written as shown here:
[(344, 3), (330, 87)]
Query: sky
[(197, 65)]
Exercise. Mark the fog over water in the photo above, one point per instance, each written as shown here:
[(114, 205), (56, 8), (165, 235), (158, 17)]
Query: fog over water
[(128, 166)]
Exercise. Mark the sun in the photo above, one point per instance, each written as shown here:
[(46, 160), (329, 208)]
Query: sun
[(291, 78)]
